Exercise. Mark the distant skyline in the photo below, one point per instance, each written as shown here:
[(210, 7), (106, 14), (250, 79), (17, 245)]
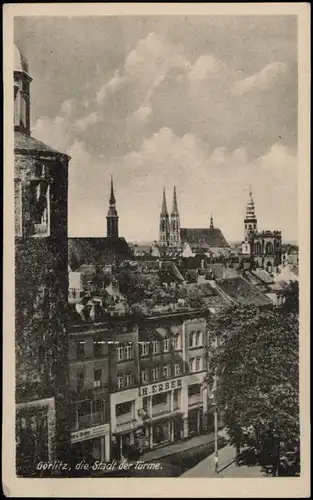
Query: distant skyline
[(208, 104)]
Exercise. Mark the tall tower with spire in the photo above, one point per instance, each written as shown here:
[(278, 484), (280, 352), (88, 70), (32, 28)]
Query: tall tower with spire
[(250, 226), (250, 221), (175, 223), (164, 223), (112, 217), (211, 222)]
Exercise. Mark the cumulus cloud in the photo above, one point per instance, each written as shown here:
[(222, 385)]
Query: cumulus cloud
[(91, 119), (109, 87), (262, 80)]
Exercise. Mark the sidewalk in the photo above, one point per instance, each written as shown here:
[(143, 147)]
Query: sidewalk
[(227, 467), (179, 447)]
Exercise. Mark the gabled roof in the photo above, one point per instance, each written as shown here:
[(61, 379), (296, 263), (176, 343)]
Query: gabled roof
[(213, 237), (27, 144)]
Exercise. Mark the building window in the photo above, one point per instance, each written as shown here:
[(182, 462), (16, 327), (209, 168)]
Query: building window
[(120, 381), (176, 369), (176, 399), (128, 379), (198, 364), (155, 347), (144, 376), (97, 378), (97, 348), (120, 350), (166, 371), (199, 338), (144, 351), (177, 342), (191, 364), (166, 345), (80, 349), (40, 208), (155, 373), (124, 409), (80, 381), (128, 351), (269, 248), (191, 339)]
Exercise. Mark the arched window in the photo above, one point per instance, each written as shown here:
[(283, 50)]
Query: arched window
[(269, 247), (257, 248)]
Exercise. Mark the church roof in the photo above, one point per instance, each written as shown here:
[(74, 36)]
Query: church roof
[(26, 144), (95, 250), (213, 237)]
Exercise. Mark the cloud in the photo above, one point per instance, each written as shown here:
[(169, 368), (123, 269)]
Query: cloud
[(91, 119), (67, 108), (109, 87), (217, 182), (262, 80), (56, 132), (142, 113)]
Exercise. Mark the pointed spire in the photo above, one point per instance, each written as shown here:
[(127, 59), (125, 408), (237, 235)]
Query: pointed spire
[(175, 206), (112, 197), (211, 222), (250, 214), (164, 206)]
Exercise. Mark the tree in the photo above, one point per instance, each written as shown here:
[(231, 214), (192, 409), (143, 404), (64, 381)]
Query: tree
[(257, 366), (291, 295)]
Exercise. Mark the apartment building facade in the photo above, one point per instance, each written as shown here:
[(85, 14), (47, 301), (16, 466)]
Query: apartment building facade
[(89, 390)]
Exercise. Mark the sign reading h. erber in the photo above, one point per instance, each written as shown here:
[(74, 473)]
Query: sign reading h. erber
[(162, 387)]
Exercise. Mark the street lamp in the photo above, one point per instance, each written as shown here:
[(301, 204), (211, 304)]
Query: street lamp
[(215, 423)]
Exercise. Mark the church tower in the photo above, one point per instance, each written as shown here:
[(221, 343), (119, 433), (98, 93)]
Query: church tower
[(211, 223), (250, 226), (175, 223), (112, 217), (164, 223), (41, 289)]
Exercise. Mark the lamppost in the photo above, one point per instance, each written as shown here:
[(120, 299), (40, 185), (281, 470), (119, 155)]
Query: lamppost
[(215, 423)]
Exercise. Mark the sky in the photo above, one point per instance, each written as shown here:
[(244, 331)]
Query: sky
[(208, 104)]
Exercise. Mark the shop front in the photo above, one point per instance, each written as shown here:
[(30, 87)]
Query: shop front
[(195, 421), (91, 444)]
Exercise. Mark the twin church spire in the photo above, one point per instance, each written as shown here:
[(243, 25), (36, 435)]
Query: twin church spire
[(170, 225)]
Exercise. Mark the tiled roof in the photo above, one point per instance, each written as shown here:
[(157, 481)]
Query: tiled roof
[(213, 237), (263, 275), (242, 292), (95, 250), (26, 143)]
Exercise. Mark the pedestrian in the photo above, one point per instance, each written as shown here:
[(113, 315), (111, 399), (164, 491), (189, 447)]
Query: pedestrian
[(216, 463)]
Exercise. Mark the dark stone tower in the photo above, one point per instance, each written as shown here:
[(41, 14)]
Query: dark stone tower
[(41, 287), (164, 223), (175, 223), (112, 217)]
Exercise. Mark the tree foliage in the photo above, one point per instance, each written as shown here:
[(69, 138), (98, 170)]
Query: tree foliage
[(257, 366)]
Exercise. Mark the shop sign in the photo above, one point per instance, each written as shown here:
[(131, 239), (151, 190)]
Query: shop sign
[(90, 433), (126, 427), (162, 387)]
